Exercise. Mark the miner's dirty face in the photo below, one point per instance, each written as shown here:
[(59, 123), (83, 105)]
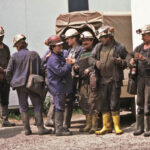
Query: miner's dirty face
[(1, 38), (71, 40), (87, 43), (105, 39), (57, 49), (146, 38)]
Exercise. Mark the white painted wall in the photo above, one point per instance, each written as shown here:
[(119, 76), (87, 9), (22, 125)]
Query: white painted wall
[(34, 18), (110, 5), (140, 16)]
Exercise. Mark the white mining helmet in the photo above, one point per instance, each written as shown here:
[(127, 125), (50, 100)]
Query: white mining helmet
[(17, 38), (71, 33), (105, 30), (145, 29), (86, 35)]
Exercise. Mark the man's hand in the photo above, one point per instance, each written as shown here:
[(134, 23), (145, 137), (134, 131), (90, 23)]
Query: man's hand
[(70, 61), (118, 60), (139, 56), (132, 61), (86, 71)]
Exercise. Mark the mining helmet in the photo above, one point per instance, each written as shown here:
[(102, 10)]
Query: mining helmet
[(105, 30), (86, 35), (1, 31), (17, 38), (53, 40), (145, 29), (70, 33)]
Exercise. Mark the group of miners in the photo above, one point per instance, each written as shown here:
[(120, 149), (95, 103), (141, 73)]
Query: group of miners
[(88, 64)]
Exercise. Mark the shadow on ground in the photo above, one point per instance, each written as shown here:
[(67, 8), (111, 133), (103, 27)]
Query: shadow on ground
[(10, 132)]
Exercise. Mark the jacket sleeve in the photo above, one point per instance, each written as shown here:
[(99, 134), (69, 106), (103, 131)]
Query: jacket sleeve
[(123, 56), (9, 70), (56, 67), (93, 56)]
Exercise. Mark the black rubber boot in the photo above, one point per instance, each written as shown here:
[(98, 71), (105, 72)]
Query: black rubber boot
[(67, 116), (40, 126), (147, 126), (4, 117), (50, 116), (60, 131), (139, 125), (25, 120)]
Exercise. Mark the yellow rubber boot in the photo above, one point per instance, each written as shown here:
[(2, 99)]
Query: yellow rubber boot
[(107, 124), (116, 121), (88, 124), (94, 124)]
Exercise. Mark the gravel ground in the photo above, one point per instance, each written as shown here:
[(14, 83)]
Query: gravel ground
[(14, 138)]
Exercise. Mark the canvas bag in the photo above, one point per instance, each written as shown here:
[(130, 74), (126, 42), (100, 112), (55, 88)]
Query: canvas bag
[(35, 82)]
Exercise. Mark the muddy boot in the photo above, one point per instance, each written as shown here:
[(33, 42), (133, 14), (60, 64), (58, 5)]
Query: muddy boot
[(67, 117), (50, 116), (107, 124), (60, 131), (25, 120), (4, 116), (139, 125), (40, 126), (147, 126), (116, 121), (94, 124), (88, 124)]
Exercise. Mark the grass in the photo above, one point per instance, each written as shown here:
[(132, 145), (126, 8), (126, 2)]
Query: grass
[(14, 115), (77, 111)]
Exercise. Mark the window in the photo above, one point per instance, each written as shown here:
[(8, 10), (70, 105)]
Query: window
[(78, 5)]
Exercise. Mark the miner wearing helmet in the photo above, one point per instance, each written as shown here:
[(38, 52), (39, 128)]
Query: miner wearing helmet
[(17, 74), (88, 98), (108, 57), (140, 60), (50, 115), (4, 86), (60, 82), (74, 52)]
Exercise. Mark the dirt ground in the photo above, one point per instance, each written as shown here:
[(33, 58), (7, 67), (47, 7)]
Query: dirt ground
[(14, 139)]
